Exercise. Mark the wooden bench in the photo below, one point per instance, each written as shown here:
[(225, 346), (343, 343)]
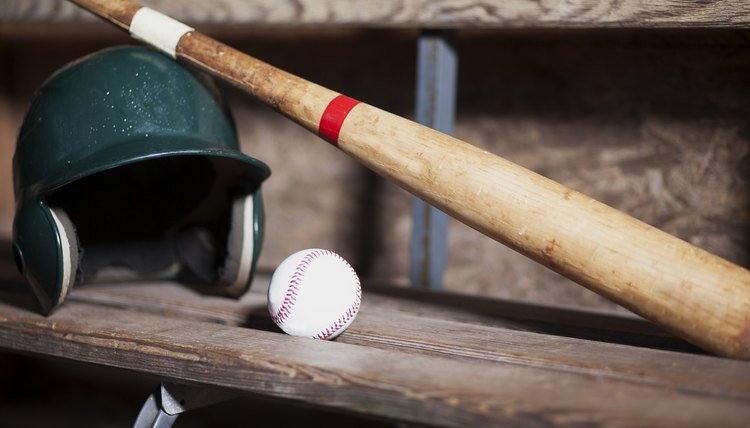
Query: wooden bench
[(422, 357)]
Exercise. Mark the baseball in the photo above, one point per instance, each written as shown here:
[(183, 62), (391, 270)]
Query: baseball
[(314, 293)]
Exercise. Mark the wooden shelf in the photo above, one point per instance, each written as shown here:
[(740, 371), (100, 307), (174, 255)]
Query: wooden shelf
[(413, 356), (417, 13)]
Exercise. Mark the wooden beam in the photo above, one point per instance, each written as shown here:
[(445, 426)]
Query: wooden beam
[(418, 13)]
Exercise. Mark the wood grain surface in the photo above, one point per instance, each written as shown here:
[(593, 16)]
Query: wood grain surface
[(391, 362), (418, 13), (415, 325)]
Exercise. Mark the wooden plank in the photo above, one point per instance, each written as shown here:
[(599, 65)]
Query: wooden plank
[(177, 300), (418, 13), (410, 319), (443, 306), (410, 324), (415, 329), (448, 306), (390, 383)]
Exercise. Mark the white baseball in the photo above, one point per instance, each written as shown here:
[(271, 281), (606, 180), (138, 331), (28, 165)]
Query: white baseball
[(314, 293)]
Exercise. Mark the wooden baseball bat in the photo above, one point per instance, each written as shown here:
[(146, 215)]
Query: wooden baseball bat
[(690, 292)]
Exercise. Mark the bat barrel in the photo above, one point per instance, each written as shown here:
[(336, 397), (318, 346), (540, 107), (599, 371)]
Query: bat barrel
[(690, 292)]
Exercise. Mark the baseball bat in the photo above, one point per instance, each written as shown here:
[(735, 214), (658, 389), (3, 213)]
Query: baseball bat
[(692, 293)]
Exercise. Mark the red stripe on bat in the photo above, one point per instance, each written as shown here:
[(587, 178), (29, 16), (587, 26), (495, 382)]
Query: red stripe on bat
[(334, 116)]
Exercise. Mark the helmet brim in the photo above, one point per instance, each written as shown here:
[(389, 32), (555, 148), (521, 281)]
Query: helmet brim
[(244, 170)]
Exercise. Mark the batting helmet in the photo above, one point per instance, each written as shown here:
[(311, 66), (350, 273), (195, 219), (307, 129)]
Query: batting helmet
[(127, 166)]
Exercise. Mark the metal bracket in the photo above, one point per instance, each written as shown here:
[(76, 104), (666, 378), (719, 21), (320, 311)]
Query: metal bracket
[(169, 400), (437, 66)]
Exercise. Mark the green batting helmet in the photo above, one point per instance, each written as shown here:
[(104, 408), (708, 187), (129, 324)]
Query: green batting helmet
[(127, 167)]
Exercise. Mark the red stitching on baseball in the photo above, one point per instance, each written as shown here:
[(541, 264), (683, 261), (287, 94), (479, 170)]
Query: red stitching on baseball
[(351, 311), (292, 291)]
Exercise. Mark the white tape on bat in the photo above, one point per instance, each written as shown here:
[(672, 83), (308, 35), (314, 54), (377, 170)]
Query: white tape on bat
[(158, 30)]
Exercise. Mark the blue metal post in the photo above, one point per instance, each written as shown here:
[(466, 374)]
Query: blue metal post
[(437, 66)]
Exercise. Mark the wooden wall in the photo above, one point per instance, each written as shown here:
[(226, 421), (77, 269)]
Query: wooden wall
[(653, 122)]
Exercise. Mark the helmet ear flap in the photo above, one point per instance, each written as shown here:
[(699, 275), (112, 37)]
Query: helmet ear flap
[(69, 248), (243, 244), (46, 250)]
